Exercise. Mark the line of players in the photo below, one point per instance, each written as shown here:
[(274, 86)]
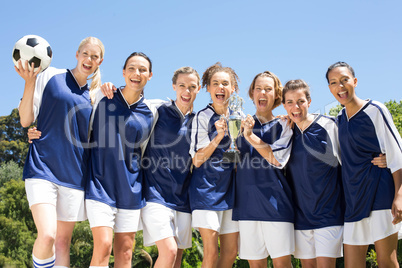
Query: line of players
[(288, 195)]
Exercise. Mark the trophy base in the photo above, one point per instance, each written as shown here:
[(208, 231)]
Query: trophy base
[(231, 157)]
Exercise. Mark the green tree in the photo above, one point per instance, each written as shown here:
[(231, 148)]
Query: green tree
[(13, 139), (17, 229), (9, 171), (81, 245), (192, 257), (395, 109), (334, 111)]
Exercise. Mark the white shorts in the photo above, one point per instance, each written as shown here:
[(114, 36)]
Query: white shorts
[(369, 230), (69, 202), (161, 222), (322, 242), (219, 221), (120, 220), (260, 239)]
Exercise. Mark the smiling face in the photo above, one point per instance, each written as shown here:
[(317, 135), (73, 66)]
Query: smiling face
[(297, 104), (342, 84), (220, 88), (89, 57), (136, 73), (263, 95), (187, 86)]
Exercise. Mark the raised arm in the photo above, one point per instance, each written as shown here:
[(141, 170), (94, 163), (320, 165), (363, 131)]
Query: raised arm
[(203, 154), (262, 148), (26, 110)]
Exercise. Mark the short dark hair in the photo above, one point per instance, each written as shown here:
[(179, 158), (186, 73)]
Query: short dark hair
[(339, 64)]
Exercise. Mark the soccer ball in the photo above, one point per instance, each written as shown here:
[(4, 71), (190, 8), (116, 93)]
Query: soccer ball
[(34, 49)]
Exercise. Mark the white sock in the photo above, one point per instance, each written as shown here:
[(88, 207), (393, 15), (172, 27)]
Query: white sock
[(47, 263)]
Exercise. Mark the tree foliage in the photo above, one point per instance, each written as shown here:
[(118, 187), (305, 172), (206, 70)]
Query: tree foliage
[(9, 171), (13, 139), (395, 109), (17, 229), (334, 111)]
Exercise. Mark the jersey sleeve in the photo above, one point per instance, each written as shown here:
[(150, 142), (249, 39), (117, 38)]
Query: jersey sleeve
[(96, 97), (40, 85), (388, 136), (282, 146), (330, 125), (153, 105), (199, 133)]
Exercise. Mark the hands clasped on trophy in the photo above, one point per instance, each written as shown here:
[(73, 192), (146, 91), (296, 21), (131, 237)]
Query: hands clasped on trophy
[(232, 155)]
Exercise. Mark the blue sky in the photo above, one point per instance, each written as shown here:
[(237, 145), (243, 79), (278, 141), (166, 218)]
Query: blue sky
[(293, 39)]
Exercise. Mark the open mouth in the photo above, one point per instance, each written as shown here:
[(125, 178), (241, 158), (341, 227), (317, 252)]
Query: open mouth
[(297, 114), (136, 81), (185, 99), (343, 94), (87, 67), (262, 102), (220, 96)]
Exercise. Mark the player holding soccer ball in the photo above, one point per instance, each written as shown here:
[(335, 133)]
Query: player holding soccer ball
[(55, 168)]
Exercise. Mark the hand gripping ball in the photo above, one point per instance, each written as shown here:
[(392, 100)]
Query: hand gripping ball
[(34, 49)]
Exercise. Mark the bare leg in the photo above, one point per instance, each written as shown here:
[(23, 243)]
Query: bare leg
[(210, 242), (309, 263), (258, 263), (45, 219), (386, 251), (103, 239), (228, 251), (355, 256), (123, 249), (282, 262), (63, 242), (326, 262), (179, 256), (167, 249)]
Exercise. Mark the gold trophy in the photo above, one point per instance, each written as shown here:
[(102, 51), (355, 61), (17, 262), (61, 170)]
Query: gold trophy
[(232, 155)]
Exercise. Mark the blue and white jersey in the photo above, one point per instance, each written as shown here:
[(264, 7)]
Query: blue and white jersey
[(211, 186), (62, 109), (120, 132), (262, 192), (314, 174), (362, 137), (167, 162)]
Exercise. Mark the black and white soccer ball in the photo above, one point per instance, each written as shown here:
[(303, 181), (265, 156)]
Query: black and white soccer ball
[(34, 49)]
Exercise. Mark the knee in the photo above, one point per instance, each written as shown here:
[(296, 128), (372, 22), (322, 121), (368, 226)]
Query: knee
[(211, 253), (169, 254), (388, 261), (47, 239), (124, 255), (103, 248), (62, 244), (229, 252)]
